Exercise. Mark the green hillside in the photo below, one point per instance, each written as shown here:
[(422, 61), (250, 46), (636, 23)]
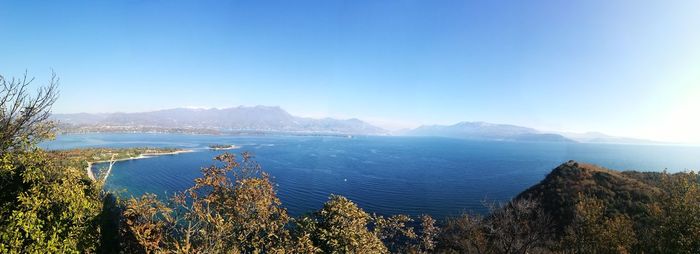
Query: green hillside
[(621, 192)]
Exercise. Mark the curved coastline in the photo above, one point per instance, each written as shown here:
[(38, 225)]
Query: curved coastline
[(141, 156)]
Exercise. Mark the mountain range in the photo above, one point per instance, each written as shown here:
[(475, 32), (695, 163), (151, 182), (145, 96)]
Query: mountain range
[(237, 119), (597, 137), (486, 131), (266, 119)]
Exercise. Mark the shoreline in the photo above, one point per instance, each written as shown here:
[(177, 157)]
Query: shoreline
[(141, 156)]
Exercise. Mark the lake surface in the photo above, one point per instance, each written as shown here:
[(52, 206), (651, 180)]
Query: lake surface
[(386, 175)]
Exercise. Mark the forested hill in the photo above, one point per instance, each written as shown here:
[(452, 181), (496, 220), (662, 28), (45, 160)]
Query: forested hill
[(622, 192)]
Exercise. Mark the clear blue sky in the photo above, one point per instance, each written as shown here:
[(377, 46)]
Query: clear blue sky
[(628, 68)]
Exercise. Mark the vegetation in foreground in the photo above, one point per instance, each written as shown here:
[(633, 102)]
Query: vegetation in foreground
[(49, 205)]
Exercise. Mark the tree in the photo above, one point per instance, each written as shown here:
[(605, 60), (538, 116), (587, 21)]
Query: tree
[(149, 223), (216, 215), (394, 233), (428, 234), (463, 234), (594, 232), (44, 207), (520, 226), (674, 226), (23, 117), (399, 237), (341, 227)]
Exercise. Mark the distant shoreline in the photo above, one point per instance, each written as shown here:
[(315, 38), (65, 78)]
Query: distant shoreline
[(141, 156)]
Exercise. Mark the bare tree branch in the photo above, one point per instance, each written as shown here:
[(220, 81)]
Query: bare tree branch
[(24, 119)]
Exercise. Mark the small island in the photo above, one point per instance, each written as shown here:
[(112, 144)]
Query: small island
[(223, 147)]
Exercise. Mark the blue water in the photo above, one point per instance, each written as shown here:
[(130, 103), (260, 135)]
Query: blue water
[(386, 175)]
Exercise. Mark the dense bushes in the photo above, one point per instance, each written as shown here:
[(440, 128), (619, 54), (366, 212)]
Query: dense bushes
[(521, 226), (46, 208), (673, 225)]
